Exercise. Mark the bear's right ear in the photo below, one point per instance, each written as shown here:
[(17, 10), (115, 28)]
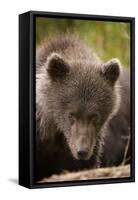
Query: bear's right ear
[(111, 71), (57, 67)]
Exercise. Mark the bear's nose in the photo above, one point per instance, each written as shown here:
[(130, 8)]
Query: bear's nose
[(82, 153)]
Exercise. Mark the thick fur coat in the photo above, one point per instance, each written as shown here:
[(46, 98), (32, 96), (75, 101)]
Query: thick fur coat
[(82, 108)]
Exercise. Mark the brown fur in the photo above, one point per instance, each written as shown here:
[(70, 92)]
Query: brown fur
[(78, 108)]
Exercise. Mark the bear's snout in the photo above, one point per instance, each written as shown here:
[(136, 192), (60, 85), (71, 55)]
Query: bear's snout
[(82, 140), (82, 152)]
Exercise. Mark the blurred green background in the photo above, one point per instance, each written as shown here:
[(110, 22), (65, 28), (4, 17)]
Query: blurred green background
[(108, 39)]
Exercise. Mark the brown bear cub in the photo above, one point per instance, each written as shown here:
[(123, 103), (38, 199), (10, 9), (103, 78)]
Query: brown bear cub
[(82, 108)]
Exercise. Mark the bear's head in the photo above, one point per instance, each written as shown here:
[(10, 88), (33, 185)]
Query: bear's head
[(83, 96)]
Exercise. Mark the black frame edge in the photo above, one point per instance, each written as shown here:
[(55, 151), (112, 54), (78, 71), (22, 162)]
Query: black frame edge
[(24, 98), (133, 97), (81, 16)]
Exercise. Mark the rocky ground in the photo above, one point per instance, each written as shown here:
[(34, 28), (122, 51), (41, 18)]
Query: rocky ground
[(101, 173)]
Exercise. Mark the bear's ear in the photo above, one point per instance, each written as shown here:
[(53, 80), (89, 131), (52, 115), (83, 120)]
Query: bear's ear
[(111, 71), (57, 67)]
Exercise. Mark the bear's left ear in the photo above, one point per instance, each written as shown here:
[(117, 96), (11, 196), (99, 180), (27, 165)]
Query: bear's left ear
[(56, 67), (111, 71)]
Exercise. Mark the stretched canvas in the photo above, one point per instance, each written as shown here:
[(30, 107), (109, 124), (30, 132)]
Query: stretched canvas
[(76, 109)]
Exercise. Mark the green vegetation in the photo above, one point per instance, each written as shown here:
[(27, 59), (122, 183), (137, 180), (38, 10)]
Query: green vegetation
[(109, 39)]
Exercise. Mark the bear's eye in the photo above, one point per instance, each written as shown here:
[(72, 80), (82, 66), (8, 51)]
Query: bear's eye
[(94, 117), (72, 118)]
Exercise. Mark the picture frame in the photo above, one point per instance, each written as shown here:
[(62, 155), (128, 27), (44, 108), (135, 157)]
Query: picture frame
[(27, 97)]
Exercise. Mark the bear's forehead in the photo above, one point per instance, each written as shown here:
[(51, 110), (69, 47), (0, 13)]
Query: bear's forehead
[(85, 77), (87, 97), (88, 88)]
